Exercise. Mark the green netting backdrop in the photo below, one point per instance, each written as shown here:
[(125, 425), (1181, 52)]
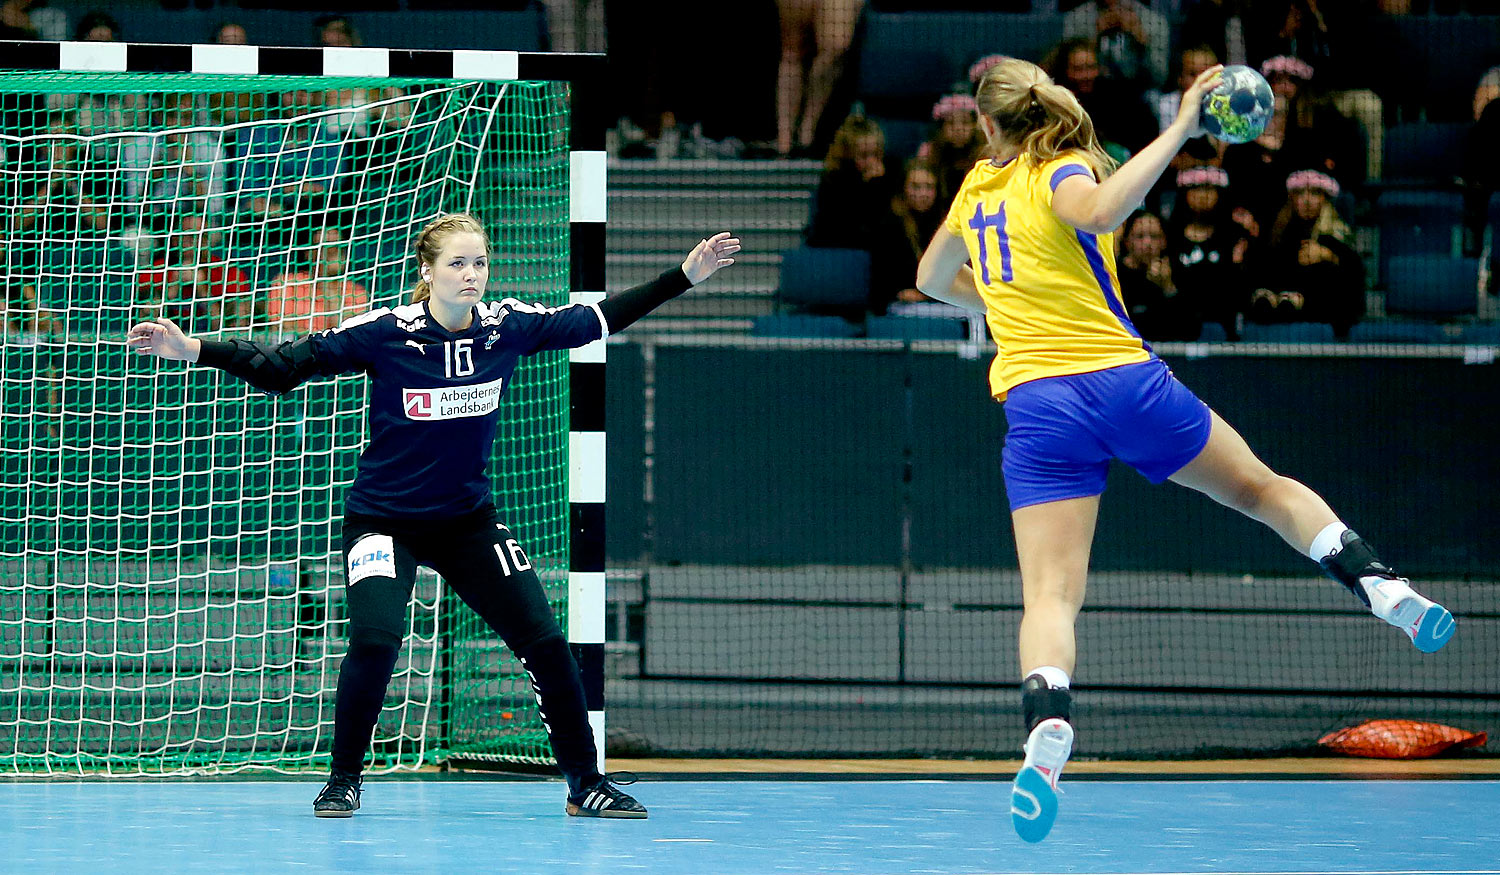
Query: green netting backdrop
[(170, 589)]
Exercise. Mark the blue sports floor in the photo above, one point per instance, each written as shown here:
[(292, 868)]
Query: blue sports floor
[(729, 827)]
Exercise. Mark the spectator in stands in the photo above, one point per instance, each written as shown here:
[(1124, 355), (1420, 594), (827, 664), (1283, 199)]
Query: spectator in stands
[(15, 20), (18, 110), (193, 282), (1304, 131), (97, 26), (1487, 90), (1131, 40), (854, 192), (1310, 274), (1122, 121), (1209, 250), (1318, 135), (337, 31), (802, 86), (1218, 24), (957, 145), (982, 66), (230, 33), (1297, 28), (900, 240), (321, 295), (1480, 170), (1191, 62), (1158, 309), (234, 107)]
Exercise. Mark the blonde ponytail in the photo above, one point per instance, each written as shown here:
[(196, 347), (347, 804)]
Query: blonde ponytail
[(1040, 116), (429, 245)]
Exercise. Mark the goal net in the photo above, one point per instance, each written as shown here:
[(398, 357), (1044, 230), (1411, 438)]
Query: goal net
[(170, 581)]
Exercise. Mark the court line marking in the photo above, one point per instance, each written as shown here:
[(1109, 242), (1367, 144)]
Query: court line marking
[(1292, 872)]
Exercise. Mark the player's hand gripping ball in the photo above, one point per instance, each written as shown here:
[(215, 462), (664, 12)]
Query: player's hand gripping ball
[(1238, 109)]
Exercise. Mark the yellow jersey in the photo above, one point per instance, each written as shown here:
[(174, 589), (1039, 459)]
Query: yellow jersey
[(1051, 294)]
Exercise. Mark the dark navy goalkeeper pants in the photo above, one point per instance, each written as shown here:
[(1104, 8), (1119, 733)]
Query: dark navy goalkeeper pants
[(481, 561)]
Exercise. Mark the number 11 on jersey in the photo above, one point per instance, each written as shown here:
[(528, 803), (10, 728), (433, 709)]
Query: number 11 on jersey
[(982, 222)]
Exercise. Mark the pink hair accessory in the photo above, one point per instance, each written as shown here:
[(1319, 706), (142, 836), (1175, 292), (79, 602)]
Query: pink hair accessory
[(983, 66), (951, 104), (1214, 176), (1313, 179), (1288, 66)]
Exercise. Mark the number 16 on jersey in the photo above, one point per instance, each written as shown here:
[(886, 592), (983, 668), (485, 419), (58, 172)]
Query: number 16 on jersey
[(981, 223)]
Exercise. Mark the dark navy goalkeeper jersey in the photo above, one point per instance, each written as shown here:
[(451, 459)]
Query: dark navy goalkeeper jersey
[(435, 395)]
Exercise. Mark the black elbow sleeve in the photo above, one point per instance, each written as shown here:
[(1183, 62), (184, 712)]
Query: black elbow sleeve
[(271, 369)]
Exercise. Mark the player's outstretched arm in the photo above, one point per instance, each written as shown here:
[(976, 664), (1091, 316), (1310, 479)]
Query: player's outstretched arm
[(706, 259), (1101, 207), (271, 369)]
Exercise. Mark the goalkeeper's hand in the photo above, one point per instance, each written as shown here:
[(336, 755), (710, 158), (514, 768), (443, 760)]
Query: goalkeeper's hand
[(710, 255), (161, 337)]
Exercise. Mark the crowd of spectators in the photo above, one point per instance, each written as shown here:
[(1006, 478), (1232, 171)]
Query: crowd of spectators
[(1261, 232), (218, 210)]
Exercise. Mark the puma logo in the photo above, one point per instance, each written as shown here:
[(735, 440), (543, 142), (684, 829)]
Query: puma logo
[(419, 347)]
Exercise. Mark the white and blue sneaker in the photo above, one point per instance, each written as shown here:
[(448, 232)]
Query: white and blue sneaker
[(1427, 623), (1033, 796)]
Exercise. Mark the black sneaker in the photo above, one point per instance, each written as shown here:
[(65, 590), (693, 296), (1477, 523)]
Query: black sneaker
[(604, 799), (340, 796)]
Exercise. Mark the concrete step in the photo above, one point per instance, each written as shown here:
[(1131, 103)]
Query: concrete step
[(714, 174), (710, 210), (651, 238), (753, 274)]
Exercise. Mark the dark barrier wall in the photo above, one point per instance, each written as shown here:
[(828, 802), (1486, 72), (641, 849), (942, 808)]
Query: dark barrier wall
[(777, 456)]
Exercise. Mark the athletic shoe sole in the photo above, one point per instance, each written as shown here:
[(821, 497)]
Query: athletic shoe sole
[(1033, 805), (327, 813), (579, 811), (1433, 630)]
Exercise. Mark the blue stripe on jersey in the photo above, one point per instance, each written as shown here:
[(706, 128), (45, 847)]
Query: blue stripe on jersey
[(1090, 244), (1064, 172)]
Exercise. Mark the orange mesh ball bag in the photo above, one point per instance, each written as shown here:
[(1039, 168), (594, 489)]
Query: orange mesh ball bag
[(1400, 739)]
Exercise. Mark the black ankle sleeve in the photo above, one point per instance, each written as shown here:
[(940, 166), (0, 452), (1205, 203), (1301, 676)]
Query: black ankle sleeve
[(1355, 559), (1040, 702)]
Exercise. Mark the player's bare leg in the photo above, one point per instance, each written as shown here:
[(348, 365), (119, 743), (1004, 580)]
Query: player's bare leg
[(1053, 542), (1230, 473)]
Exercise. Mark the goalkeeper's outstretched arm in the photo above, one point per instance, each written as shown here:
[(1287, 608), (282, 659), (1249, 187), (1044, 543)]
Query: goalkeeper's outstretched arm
[(271, 368)]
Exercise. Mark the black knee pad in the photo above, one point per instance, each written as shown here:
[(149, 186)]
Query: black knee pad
[(1040, 702), (374, 638)]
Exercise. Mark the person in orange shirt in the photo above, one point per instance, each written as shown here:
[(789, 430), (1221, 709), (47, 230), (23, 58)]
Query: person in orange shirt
[(306, 301)]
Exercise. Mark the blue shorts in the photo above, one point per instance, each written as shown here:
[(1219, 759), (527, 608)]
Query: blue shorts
[(1064, 430)]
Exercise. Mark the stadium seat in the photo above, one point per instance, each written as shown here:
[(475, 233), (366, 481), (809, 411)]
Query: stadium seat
[(1397, 331), (1481, 334), (1423, 152), (916, 328), (1291, 332), (817, 277), (1213, 332), (802, 325), (1418, 222), (1427, 285)]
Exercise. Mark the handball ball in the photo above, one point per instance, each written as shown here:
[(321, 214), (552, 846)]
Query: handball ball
[(1238, 109)]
